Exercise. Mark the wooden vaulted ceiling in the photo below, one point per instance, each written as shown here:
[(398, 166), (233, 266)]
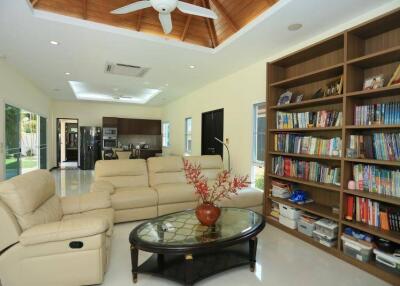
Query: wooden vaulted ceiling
[(232, 16)]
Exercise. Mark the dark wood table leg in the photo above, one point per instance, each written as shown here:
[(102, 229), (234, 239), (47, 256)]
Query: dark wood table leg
[(188, 269), (160, 260), (134, 261), (253, 253)]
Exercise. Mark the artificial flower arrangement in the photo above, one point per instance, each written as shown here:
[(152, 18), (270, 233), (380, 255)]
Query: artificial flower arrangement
[(209, 194)]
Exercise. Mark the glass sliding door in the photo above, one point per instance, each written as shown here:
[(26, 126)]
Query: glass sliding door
[(43, 143), (26, 144), (13, 142)]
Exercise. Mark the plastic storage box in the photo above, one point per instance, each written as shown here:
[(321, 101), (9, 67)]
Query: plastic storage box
[(327, 227), (290, 223), (387, 261), (306, 224), (324, 239), (289, 212), (359, 250)]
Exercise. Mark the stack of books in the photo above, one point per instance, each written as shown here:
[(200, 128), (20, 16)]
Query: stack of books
[(375, 179), (311, 171), (380, 146), (301, 144), (380, 113), (324, 118), (281, 190), (373, 213)]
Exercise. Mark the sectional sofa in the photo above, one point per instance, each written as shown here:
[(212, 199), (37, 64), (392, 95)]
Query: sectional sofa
[(144, 189), (47, 240)]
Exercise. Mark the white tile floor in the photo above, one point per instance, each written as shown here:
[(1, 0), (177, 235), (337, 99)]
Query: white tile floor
[(281, 259)]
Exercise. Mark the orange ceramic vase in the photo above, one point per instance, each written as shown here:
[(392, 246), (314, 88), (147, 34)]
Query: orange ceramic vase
[(208, 214)]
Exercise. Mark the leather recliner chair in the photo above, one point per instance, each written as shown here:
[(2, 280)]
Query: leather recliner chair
[(47, 240)]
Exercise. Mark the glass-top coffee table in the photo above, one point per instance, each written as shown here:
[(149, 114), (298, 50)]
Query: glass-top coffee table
[(186, 251)]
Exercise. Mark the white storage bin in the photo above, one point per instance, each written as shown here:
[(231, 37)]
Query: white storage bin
[(290, 223), (359, 250), (324, 239), (327, 227), (289, 212), (387, 261)]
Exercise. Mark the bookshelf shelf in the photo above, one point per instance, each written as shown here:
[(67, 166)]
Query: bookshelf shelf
[(362, 52), (386, 234), (379, 92), (367, 127), (317, 157), (311, 129), (307, 183), (310, 102), (374, 196), (317, 75), (375, 162), (379, 58), (314, 208)]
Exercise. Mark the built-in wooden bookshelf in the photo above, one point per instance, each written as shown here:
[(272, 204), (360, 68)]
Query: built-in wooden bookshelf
[(369, 49)]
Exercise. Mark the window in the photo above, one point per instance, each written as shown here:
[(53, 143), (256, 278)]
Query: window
[(259, 127), (188, 135), (165, 134), (26, 142)]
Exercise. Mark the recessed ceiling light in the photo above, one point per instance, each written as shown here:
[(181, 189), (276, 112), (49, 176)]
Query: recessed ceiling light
[(54, 43), (67, 73), (192, 66), (166, 84), (295, 27), (115, 88)]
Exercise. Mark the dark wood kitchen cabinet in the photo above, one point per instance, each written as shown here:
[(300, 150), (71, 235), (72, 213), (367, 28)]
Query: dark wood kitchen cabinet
[(110, 122), (128, 126)]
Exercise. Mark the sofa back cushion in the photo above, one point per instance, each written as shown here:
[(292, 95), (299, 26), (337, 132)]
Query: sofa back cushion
[(165, 170), (211, 165), (31, 198), (122, 173), (9, 227)]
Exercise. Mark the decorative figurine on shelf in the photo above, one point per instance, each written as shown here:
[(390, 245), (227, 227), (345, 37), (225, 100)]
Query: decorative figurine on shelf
[(207, 212), (351, 185)]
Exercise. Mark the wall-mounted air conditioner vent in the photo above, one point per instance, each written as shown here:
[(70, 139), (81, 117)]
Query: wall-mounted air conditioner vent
[(126, 70)]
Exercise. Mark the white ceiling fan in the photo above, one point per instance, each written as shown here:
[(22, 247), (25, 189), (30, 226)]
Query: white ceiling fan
[(164, 8)]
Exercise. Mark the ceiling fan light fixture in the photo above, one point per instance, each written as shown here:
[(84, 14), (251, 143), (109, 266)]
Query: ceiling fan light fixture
[(54, 43), (192, 67)]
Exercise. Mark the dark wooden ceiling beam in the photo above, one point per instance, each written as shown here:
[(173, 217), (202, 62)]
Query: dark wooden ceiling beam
[(84, 9), (34, 3), (225, 14), (139, 20), (210, 25), (187, 23)]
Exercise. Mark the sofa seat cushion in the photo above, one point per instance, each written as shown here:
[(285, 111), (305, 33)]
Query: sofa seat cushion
[(64, 230), (133, 197), (106, 214), (175, 193), (248, 197)]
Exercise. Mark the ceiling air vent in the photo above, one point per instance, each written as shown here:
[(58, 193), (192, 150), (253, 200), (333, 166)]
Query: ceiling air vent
[(126, 70)]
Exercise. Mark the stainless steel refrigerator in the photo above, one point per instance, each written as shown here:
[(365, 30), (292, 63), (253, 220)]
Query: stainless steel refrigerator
[(90, 147)]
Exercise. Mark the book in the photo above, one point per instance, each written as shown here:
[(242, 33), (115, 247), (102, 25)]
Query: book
[(324, 118), (306, 170), (377, 114), (302, 144)]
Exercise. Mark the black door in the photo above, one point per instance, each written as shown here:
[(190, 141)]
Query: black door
[(212, 127)]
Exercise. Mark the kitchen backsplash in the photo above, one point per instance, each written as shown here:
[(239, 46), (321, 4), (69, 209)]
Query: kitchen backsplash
[(153, 140)]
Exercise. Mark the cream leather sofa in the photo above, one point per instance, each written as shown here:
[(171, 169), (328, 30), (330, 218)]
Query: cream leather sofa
[(138, 192), (128, 183), (47, 240)]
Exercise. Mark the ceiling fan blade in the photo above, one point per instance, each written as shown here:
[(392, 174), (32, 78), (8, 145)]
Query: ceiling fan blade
[(132, 7), (166, 22), (196, 10)]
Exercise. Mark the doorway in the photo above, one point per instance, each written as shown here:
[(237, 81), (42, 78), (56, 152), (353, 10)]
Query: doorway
[(26, 141), (67, 143), (212, 126)]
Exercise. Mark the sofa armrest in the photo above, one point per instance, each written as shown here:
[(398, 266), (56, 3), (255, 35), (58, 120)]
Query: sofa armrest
[(64, 230), (102, 186), (86, 202)]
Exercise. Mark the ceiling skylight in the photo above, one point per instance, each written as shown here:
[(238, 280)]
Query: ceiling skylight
[(85, 91)]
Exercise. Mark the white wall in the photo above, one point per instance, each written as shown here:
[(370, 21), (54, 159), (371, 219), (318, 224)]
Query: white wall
[(236, 93), (18, 91), (92, 113)]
